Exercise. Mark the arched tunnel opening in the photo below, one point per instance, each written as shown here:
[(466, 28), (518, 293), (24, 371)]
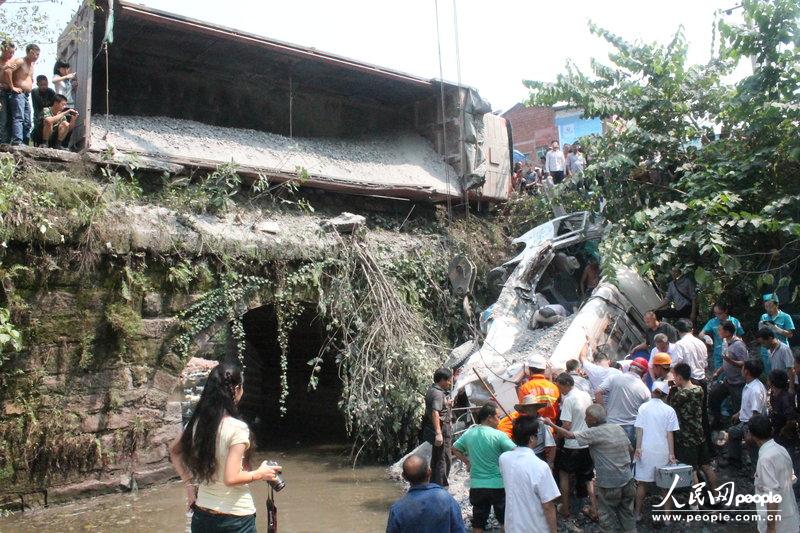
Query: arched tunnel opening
[(312, 416)]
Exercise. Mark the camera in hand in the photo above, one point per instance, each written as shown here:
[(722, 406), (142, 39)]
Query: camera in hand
[(278, 483)]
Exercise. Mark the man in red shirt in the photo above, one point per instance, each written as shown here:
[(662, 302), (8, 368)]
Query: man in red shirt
[(540, 387)]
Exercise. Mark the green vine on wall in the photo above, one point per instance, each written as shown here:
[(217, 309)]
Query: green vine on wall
[(287, 308), (385, 321), (224, 302)]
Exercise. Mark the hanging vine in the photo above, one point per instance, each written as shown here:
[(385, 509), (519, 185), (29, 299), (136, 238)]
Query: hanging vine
[(287, 308), (224, 302), (386, 321)]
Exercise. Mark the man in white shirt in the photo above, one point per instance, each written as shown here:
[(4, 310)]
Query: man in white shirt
[(773, 477), (581, 383), (662, 345), (597, 371), (655, 445), (554, 162), (690, 350), (780, 354), (574, 459), (754, 402), (626, 392), (531, 491)]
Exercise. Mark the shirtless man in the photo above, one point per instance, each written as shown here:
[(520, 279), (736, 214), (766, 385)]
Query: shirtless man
[(18, 75), (7, 49)]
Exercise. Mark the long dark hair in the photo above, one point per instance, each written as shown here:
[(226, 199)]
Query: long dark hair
[(60, 63), (199, 439)]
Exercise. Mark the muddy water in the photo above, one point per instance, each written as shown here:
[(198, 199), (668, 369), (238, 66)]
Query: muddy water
[(323, 493)]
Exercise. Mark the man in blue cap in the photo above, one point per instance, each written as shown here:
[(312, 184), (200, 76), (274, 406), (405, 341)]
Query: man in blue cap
[(776, 320)]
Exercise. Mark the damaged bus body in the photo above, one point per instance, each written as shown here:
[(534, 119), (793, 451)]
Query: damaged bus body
[(548, 270)]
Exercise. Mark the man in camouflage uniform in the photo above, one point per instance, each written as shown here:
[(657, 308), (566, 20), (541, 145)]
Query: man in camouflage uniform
[(690, 441)]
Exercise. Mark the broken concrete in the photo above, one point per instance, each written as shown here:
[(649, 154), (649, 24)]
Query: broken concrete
[(344, 223)]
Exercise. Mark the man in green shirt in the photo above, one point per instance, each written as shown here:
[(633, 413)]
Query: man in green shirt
[(778, 322), (479, 448), (57, 122)]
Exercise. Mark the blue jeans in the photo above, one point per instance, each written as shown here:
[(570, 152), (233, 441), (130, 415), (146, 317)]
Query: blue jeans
[(630, 431), (203, 522), (20, 118)]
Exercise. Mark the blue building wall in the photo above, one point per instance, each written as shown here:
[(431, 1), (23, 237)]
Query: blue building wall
[(572, 127)]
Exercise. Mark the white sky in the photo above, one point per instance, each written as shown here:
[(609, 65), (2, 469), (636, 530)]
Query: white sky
[(501, 41)]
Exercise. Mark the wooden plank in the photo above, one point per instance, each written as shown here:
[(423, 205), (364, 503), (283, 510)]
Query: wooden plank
[(86, 64), (75, 45), (146, 163), (495, 150), (41, 154)]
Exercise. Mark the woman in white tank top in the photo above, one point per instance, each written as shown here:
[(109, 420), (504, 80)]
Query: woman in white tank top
[(211, 458)]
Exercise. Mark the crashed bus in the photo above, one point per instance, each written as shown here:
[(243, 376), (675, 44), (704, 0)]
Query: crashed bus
[(545, 273)]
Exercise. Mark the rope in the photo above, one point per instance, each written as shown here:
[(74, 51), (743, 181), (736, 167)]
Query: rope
[(444, 123), (463, 110), (108, 104)]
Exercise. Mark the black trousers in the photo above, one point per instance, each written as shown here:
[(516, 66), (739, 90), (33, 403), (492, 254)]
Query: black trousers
[(717, 396), (686, 312), (483, 501), (440, 463)]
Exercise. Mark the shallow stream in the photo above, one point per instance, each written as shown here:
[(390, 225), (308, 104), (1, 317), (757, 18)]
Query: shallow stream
[(323, 493)]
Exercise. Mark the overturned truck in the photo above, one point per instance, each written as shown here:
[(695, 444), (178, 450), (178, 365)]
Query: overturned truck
[(546, 273), (169, 92)]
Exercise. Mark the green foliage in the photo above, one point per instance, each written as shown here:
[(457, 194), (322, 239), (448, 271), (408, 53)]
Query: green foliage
[(384, 320), (41, 206), (10, 340), (133, 283), (523, 211), (125, 324), (181, 275), (222, 185), (722, 205), (284, 193), (223, 302), (123, 187), (24, 23)]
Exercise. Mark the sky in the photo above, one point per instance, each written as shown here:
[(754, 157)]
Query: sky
[(501, 42)]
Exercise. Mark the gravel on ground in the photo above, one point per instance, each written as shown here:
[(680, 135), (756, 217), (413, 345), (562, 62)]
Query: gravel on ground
[(401, 158)]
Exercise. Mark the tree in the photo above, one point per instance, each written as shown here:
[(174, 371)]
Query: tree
[(25, 23), (725, 204)]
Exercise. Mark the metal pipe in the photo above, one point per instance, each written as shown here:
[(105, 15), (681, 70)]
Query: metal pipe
[(490, 392)]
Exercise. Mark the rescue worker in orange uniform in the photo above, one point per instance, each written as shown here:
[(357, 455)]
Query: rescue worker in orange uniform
[(545, 443), (541, 387)]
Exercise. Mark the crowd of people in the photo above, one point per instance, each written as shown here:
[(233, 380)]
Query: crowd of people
[(595, 438), (556, 166), (31, 113)]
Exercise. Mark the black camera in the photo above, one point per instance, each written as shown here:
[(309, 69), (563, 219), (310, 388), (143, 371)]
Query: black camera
[(278, 483)]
